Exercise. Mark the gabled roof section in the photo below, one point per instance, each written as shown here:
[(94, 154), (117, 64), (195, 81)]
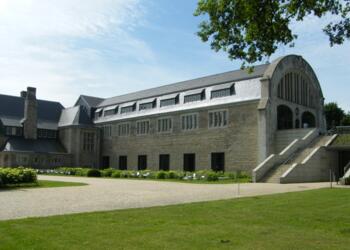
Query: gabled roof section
[(231, 76), (12, 112), (74, 116), (91, 101), (39, 146)]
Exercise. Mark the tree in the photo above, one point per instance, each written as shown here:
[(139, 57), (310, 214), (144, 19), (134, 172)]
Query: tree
[(346, 120), (252, 30), (334, 114)]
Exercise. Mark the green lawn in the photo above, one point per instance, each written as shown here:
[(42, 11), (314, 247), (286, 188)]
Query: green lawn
[(342, 140), (318, 219), (45, 184)]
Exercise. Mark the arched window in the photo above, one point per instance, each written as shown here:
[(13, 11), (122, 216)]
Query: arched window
[(284, 117), (308, 120), (296, 88)]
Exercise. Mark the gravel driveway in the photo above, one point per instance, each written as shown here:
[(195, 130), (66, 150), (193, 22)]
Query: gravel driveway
[(111, 194)]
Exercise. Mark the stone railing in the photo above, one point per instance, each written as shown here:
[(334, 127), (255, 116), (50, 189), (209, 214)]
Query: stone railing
[(276, 159)]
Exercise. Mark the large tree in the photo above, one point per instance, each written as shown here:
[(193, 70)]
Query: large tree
[(251, 30), (334, 114)]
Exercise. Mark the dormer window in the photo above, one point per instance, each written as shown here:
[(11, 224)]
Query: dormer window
[(147, 104), (128, 108), (223, 90), (111, 110), (98, 112), (169, 100), (194, 95)]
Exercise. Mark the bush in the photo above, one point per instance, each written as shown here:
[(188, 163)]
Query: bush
[(116, 174), (162, 175), (15, 176), (212, 176), (93, 173), (173, 175), (107, 172)]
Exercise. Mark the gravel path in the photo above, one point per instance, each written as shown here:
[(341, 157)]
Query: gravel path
[(111, 194)]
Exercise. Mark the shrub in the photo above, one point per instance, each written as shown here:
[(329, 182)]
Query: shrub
[(116, 174), (173, 175), (15, 176), (107, 172), (93, 173), (212, 176), (162, 175)]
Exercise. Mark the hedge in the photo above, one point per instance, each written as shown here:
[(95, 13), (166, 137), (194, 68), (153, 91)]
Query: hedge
[(16, 176), (206, 175)]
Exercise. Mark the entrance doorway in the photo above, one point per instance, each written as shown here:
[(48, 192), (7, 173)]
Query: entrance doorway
[(123, 162), (218, 162), (105, 162), (164, 162), (189, 162)]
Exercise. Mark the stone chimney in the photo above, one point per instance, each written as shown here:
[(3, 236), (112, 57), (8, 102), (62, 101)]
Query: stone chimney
[(30, 114), (23, 94)]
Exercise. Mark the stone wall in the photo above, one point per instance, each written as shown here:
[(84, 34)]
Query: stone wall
[(238, 141), (72, 138)]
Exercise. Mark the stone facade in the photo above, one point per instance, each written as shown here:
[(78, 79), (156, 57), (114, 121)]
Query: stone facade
[(72, 139), (238, 140), (30, 114)]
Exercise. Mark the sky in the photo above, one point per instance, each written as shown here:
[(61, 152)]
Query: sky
[(106, 48)]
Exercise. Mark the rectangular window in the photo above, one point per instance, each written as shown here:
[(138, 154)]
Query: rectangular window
[(164, 162), (123, 162), (170, 101), (88, 141), (123, 129), (127, 109), (107, 131), (142, 162), (110, 112), (189, 122), (193, 98), (15, 131), (46, 133), (148, 105), (218, 119), (164, 125), (189, 162), (142, 127), (223, 92), (218, 162)]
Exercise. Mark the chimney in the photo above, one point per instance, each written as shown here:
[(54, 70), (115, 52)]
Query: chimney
[(23, 94), (30, 114)]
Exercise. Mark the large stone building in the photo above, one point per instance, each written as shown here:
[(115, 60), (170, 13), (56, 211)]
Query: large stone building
[(255, 122)]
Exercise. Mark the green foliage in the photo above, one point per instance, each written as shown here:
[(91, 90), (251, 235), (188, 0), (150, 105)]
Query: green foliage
[(253, 30), (107, 172), (93, 173), (16, 176), (162, 175), (334, 114), (212, 176), (116, 174), (201, 175), (347, 181)]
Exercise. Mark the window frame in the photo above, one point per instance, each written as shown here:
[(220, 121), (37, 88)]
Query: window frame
[(168, 131), (219, 110), (189, 114)]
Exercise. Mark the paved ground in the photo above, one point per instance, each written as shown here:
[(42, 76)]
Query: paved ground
[(111, 194)]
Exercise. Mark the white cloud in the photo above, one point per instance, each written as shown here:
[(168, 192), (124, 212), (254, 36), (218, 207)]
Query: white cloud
[(64, 47)]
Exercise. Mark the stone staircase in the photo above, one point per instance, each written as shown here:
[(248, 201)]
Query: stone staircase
[(274, 175)]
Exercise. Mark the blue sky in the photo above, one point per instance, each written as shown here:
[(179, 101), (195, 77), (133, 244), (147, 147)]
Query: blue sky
[(111, 47)]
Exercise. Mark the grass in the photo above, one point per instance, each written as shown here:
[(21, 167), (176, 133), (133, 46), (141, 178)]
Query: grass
[(318, 219), (342, 140), (44, 184)]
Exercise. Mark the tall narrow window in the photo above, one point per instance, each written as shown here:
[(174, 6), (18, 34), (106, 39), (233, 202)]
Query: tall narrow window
[(88, 141), (189, 162), (142, 127), (218, 119), (189, 122), (164, 125), (218, 162), (123, 129)]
